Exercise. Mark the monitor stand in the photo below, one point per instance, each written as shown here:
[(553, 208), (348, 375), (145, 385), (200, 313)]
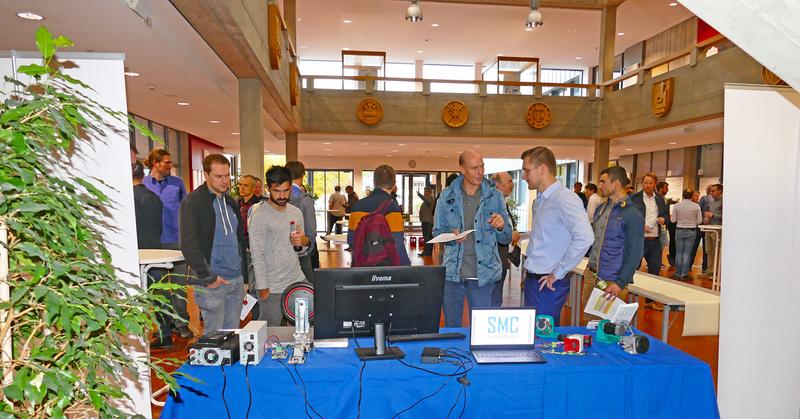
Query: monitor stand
[(380, 351)]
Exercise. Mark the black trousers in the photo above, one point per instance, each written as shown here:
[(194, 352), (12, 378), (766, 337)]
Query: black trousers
[(427, 234), (652, 255), (332, 219), (672, 251), (699, 236)]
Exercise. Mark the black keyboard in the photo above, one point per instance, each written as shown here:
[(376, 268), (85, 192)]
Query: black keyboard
[(419, 337)]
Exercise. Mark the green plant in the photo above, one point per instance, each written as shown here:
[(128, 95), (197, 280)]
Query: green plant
[(68, 313), (513, 207)]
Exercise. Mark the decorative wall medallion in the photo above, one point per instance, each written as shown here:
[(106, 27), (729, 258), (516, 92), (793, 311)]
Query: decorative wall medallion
[(369, 111), (294, 92), (539, 115), (274, 36), (771, 78), (662, 96), (455, 114)]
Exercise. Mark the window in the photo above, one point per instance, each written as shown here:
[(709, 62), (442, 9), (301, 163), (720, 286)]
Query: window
[(404, 70), (554, 75), (322, 183), (322, 68), (450, 72)]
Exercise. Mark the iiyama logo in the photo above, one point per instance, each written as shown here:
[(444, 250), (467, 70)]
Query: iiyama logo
[(376, 278)]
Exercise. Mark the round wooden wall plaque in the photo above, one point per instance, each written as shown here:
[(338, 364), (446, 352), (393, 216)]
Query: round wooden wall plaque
[(455, 114), (539, 115), (369, 111)]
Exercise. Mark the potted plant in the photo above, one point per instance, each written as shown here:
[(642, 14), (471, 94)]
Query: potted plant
[(67, 313)]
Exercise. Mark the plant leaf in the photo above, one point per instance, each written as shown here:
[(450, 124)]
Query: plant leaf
[(45, 43)]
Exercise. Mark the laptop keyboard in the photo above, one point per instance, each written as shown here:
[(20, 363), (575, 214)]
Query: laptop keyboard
[(504, 353)]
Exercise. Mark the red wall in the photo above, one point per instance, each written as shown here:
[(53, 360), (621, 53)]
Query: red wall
[(199, 149), (704, 30)]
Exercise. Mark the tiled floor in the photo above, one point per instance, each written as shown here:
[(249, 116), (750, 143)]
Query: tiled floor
[(649, 320)]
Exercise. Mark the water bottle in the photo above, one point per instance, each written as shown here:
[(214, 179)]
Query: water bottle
[(292, 232)]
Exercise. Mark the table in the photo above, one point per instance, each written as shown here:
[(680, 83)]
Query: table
[(156, 258), (607, 383)]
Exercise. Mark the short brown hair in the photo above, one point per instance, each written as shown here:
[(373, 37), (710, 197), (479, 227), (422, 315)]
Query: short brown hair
[(214, 158), (651, 175), (540, 155), (616, 173), (384, 177), (156, 155), (296, 168), (688, 193)]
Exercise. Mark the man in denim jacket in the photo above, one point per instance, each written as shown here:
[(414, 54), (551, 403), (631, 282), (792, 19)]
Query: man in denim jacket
[(472, 263)]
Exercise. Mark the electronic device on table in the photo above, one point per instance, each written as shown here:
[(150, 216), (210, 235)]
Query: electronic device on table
[(504, 335), (215, 349), (251, 342), (377, 301)]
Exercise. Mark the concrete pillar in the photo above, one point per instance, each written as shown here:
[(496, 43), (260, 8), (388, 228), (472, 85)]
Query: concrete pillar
[(691, 163), (608, 33), (291, 146), (290, 17), (478, 76), (251, 130), (601, 150), (418, 67)]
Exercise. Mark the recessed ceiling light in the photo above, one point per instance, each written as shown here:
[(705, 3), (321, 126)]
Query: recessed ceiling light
[(578, 58), (326, 143), (528, 29), (388, 155), (364, 143), (447, 157), (628, 149), (620, 33), (402, 145), (214, 121), (673, 4), (419, 51), (476, 146), (131, 74), (183, 103), (347, 21), (346, 49), (30, 16), (435, 25), (672, 143), (299, 19), (235, 133)]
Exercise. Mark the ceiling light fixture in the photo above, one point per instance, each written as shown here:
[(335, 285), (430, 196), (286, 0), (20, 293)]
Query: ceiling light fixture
[(131, 74), (183, 103), (534, 17), (435, 25), (235, 133), (628, 149), (673, 4), (345, 49), (414, 12), (347, 21), (672, 143), (29, 16), (326, 143), (620, 33), (214, 121), (528, 29), (578, 58), (419, 51)]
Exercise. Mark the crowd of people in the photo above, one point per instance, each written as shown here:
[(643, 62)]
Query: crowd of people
[(266, 239)]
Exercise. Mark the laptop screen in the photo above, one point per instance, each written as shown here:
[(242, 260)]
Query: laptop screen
[(503, 327)]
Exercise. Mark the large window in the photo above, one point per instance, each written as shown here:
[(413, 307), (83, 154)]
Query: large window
[(168, 139), (322, 68), (450, 72), (553, 75), (403, 70), (322, 183)]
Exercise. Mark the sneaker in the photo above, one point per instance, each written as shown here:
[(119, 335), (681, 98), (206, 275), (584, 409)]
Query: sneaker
[(184, 332)]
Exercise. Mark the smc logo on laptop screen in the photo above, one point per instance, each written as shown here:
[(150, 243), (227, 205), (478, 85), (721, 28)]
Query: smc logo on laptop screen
[(503, 327)]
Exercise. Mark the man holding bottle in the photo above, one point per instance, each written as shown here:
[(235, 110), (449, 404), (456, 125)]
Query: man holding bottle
[(618, 238), (276, 238)]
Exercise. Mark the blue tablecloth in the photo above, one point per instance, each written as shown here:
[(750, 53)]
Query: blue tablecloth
[(605, 383)]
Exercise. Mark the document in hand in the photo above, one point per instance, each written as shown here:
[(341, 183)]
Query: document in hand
[(448, 237), (247, 305), (614, 311)]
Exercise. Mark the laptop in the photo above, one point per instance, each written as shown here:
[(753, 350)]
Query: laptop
[(504, 335)]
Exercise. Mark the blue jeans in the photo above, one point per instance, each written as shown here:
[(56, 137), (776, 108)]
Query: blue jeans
[(221, 306), (684, 238), (477, 297), (546, 301)]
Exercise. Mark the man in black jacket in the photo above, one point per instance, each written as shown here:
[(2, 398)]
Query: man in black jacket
[(655, 212), (212, 241)]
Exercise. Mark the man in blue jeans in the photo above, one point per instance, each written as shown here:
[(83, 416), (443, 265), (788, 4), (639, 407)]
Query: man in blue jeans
[(212, 241), (472, 263), (560, 235)]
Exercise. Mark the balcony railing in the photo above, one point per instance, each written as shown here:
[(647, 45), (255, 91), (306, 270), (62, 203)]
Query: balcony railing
[(371, 84), (700, 50)]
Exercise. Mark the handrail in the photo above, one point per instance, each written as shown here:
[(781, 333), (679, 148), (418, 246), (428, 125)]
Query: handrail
[(678, 55), (478, 82)]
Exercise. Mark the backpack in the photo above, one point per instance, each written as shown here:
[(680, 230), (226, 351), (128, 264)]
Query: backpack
[(373, 244)]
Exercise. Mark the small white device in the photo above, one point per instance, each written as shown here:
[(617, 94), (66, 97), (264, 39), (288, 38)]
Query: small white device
[(251, 342)]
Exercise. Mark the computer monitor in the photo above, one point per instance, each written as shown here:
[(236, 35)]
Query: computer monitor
[(399, 299)]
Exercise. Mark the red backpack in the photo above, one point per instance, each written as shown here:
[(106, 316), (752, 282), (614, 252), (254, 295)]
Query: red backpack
[(373, 244)]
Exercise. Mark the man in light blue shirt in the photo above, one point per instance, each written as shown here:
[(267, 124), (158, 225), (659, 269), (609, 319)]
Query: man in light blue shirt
[(560, 235)]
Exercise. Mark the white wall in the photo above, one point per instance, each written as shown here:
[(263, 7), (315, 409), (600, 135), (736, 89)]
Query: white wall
[(109, 160), (759, 371)]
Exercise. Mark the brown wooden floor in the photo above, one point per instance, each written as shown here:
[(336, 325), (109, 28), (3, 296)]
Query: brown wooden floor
[(705, 348)]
